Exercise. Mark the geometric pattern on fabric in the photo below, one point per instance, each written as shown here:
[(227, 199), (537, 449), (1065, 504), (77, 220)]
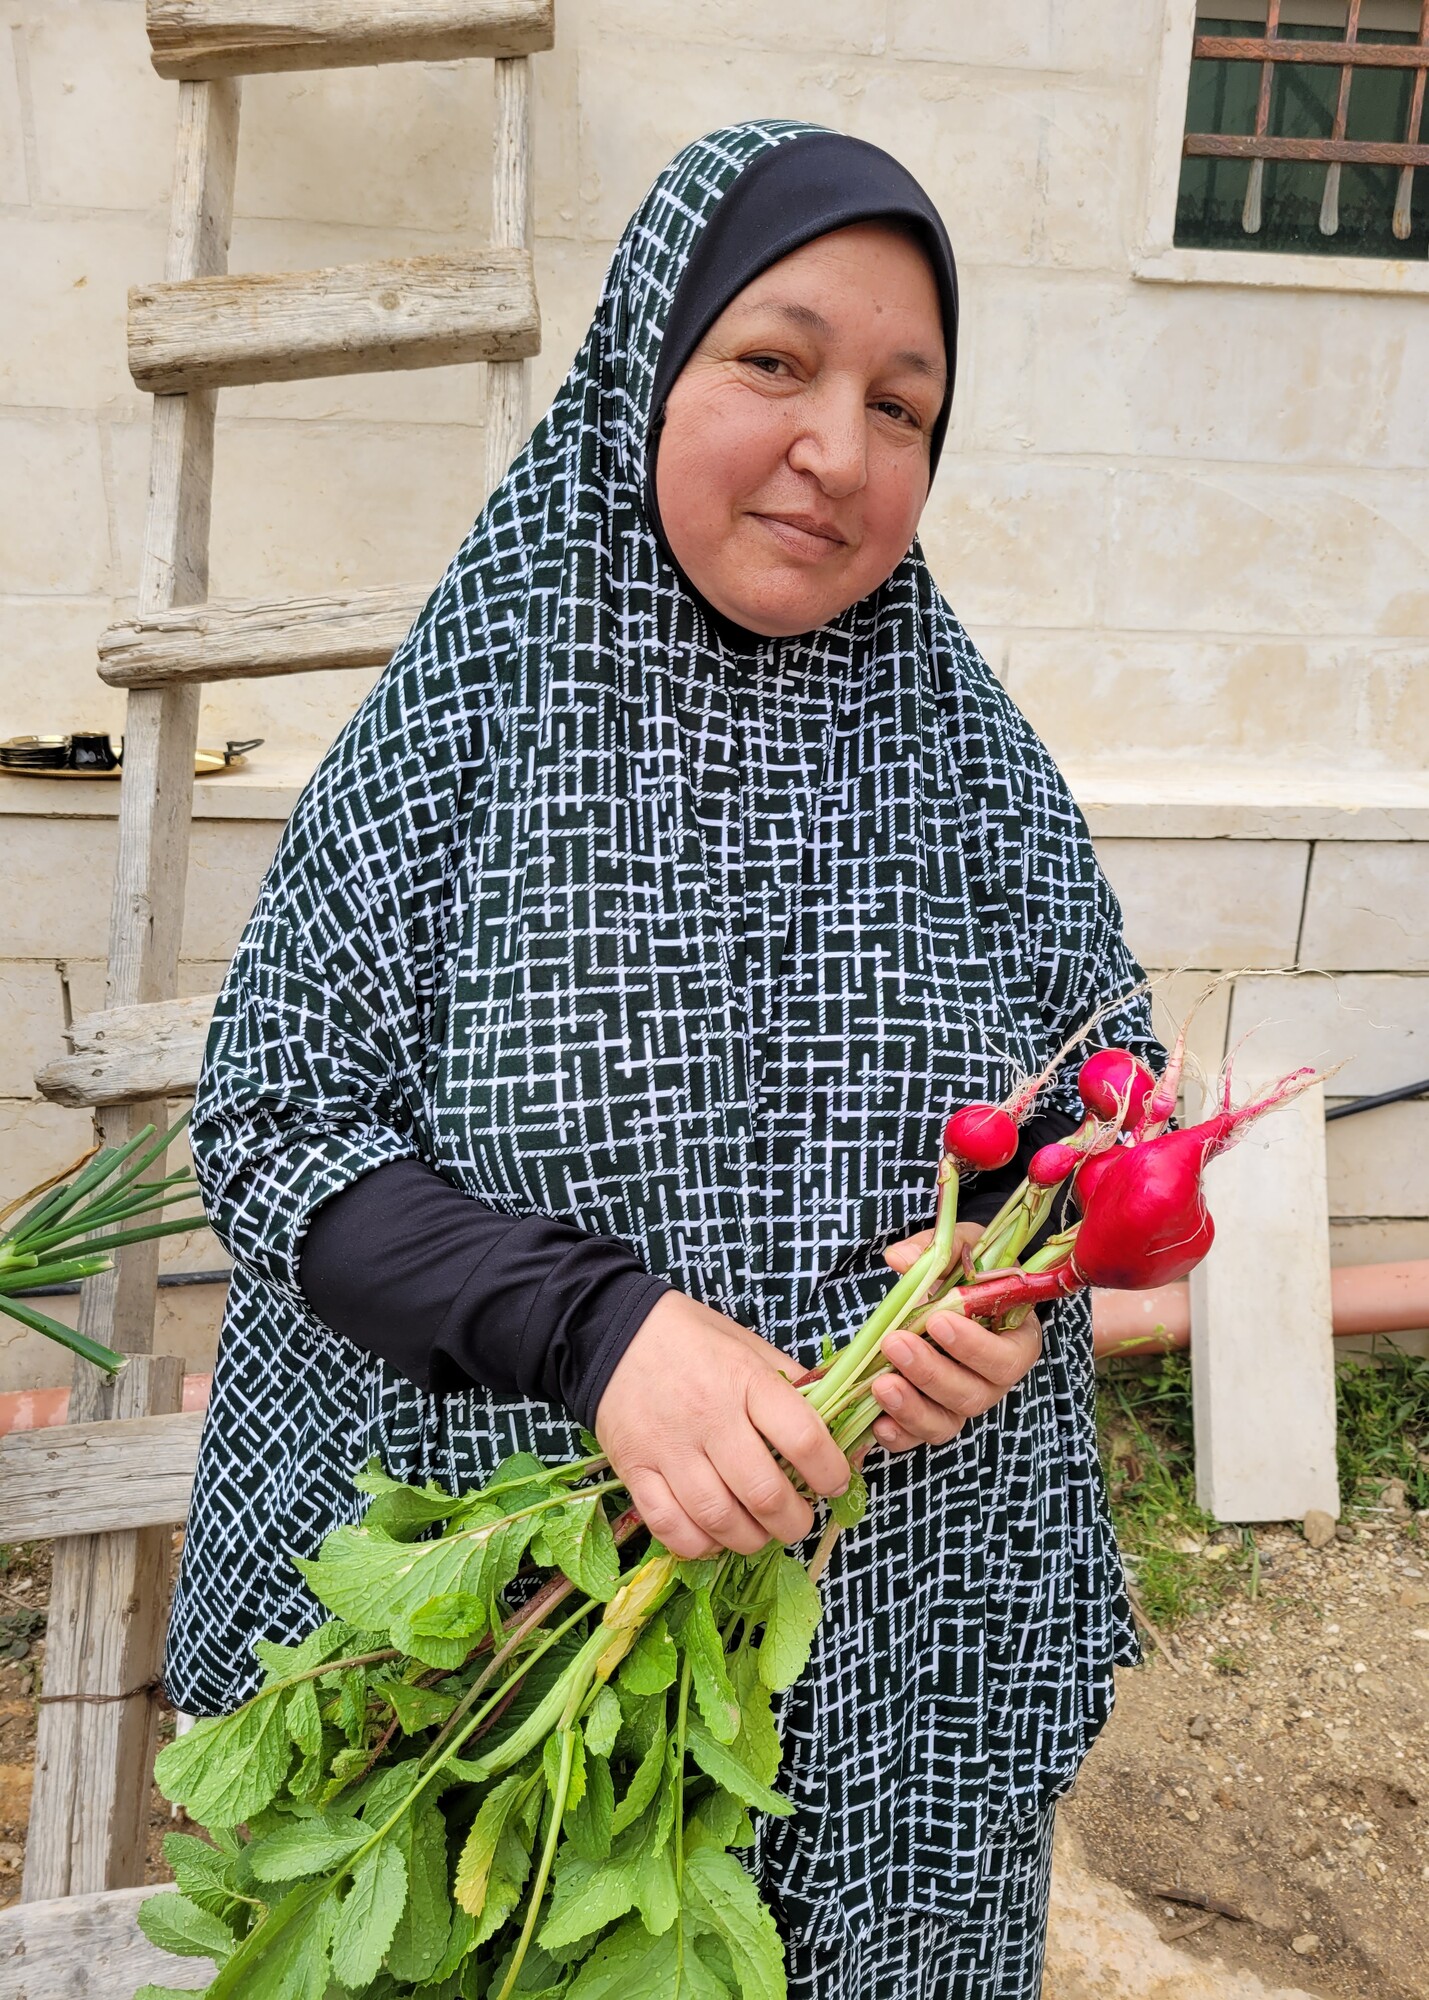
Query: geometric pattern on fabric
[(994, 1951), (692, 945)]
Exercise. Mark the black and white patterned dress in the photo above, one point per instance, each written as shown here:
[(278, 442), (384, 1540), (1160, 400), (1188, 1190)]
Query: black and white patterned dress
[(694, 945)]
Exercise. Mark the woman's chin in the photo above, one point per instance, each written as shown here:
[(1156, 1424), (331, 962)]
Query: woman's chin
[(783, 606)]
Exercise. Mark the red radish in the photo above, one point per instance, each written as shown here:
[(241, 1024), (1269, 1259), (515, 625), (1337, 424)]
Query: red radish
[(1114, 1084), (981, 1136), (1050, 1165), (1089, 1173), (1146, 1221)]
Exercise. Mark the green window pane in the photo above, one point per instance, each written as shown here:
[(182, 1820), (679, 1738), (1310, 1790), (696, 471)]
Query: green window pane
[(1222, 97)]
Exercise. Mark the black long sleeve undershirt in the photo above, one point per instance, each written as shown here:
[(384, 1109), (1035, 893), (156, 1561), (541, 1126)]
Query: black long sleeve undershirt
[(451, 1292)]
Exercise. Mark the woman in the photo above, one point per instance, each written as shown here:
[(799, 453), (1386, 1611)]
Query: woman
[(586, 1053)]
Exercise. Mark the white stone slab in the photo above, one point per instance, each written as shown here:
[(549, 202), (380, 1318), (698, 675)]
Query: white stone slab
[(1262, 1346), (1367, 907), (1209, 903), (1375, 1024)]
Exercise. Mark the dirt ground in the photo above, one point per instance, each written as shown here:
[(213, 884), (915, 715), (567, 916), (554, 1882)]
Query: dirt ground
[(1280, 1768)]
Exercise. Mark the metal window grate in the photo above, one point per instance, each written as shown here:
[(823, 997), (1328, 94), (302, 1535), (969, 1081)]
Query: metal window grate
[(1286, 56)]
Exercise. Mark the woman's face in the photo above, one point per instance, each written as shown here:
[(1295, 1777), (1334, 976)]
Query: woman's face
[(794, 460)]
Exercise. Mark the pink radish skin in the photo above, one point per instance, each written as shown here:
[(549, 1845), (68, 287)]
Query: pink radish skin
[(1115, 1085), (1146, 1221), (981, 1136), (1050, 1165)]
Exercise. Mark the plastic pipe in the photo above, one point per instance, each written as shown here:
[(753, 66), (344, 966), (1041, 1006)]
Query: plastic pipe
[(1364, 1298)]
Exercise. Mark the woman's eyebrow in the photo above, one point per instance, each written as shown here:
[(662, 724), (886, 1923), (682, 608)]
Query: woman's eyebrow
[(814, 322)]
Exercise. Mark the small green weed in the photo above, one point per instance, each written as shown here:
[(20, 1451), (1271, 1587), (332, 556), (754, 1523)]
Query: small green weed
[(1147, 1445), (1383, 1402), (1148, 1455)]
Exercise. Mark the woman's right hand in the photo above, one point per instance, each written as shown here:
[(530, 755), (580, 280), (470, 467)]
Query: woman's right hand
[(691, 1419)]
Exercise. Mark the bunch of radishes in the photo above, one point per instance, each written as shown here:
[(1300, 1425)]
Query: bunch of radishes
[(1143, 1217)]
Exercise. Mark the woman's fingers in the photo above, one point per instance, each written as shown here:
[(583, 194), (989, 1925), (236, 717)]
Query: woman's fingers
[(1001, 1359), (903, 1256), (797, 1432), (761, 1489), (666, 1518), (892, 1436), (931, 1389), (716, 1510)]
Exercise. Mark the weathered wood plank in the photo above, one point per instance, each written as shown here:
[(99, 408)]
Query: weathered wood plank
[(199, 38), (506, 383), (130, 1055), (108, 1608), (87, 1948), (407, 312), (225, 642), (90, 1479)]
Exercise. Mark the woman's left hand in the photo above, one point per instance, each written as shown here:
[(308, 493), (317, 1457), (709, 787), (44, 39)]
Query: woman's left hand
[(954, 1371)]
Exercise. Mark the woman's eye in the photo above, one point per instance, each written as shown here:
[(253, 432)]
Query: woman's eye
[(768, 364), (901, 412)]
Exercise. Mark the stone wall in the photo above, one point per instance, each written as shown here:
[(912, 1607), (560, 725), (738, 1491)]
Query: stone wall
[(1188, 524)]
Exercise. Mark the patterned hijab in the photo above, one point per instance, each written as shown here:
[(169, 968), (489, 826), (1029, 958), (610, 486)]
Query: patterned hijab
[(694, 942)]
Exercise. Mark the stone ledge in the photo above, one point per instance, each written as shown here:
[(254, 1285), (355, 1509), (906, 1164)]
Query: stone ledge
[(1170, 800)]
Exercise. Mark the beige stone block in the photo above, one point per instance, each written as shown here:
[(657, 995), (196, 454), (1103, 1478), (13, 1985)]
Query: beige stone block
[(48, 678), (227, 862), (14, 182), (85, 978), (1025, 169), (555, 130), (1375, 1025), (1367, 907), (37, 1141), (1015, 544), (1096, 365), (104, 122), (1208, 902), (1329, 702), (307, 507), (1379, 1161), (840, 27), (54, 529), (65, 280), (299, 716), (1231, 548), (1378, 1239), (1081, 35), (401, 145), (569, 278), (31, 1017), (643, 98)]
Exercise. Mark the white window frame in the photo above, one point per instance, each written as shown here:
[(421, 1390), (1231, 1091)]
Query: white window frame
[(1158, 260)]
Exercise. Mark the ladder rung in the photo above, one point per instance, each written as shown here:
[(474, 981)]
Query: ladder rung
[(93, 1479), (202, 38), (416, 312), (127, 1054), (229, 642), (85, 1947)]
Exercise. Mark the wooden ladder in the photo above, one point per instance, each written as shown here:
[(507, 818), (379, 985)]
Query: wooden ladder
[(110, 1485)]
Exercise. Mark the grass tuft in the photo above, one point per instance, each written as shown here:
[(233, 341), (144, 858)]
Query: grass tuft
[(1148, 1453)]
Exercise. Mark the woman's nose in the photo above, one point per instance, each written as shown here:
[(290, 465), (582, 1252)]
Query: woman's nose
[(833, 444)]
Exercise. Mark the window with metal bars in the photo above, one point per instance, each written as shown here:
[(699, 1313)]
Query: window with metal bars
[(1306, 129)]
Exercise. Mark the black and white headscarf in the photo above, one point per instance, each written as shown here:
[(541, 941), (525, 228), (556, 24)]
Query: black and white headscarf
[(694, 943)]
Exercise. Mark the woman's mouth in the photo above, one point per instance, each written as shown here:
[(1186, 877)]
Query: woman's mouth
[(803, 536)]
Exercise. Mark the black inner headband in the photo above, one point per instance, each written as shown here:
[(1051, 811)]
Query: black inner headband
[(796, 191)]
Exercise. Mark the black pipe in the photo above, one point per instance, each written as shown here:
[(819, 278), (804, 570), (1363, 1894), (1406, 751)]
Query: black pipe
[(1358, 1104)]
